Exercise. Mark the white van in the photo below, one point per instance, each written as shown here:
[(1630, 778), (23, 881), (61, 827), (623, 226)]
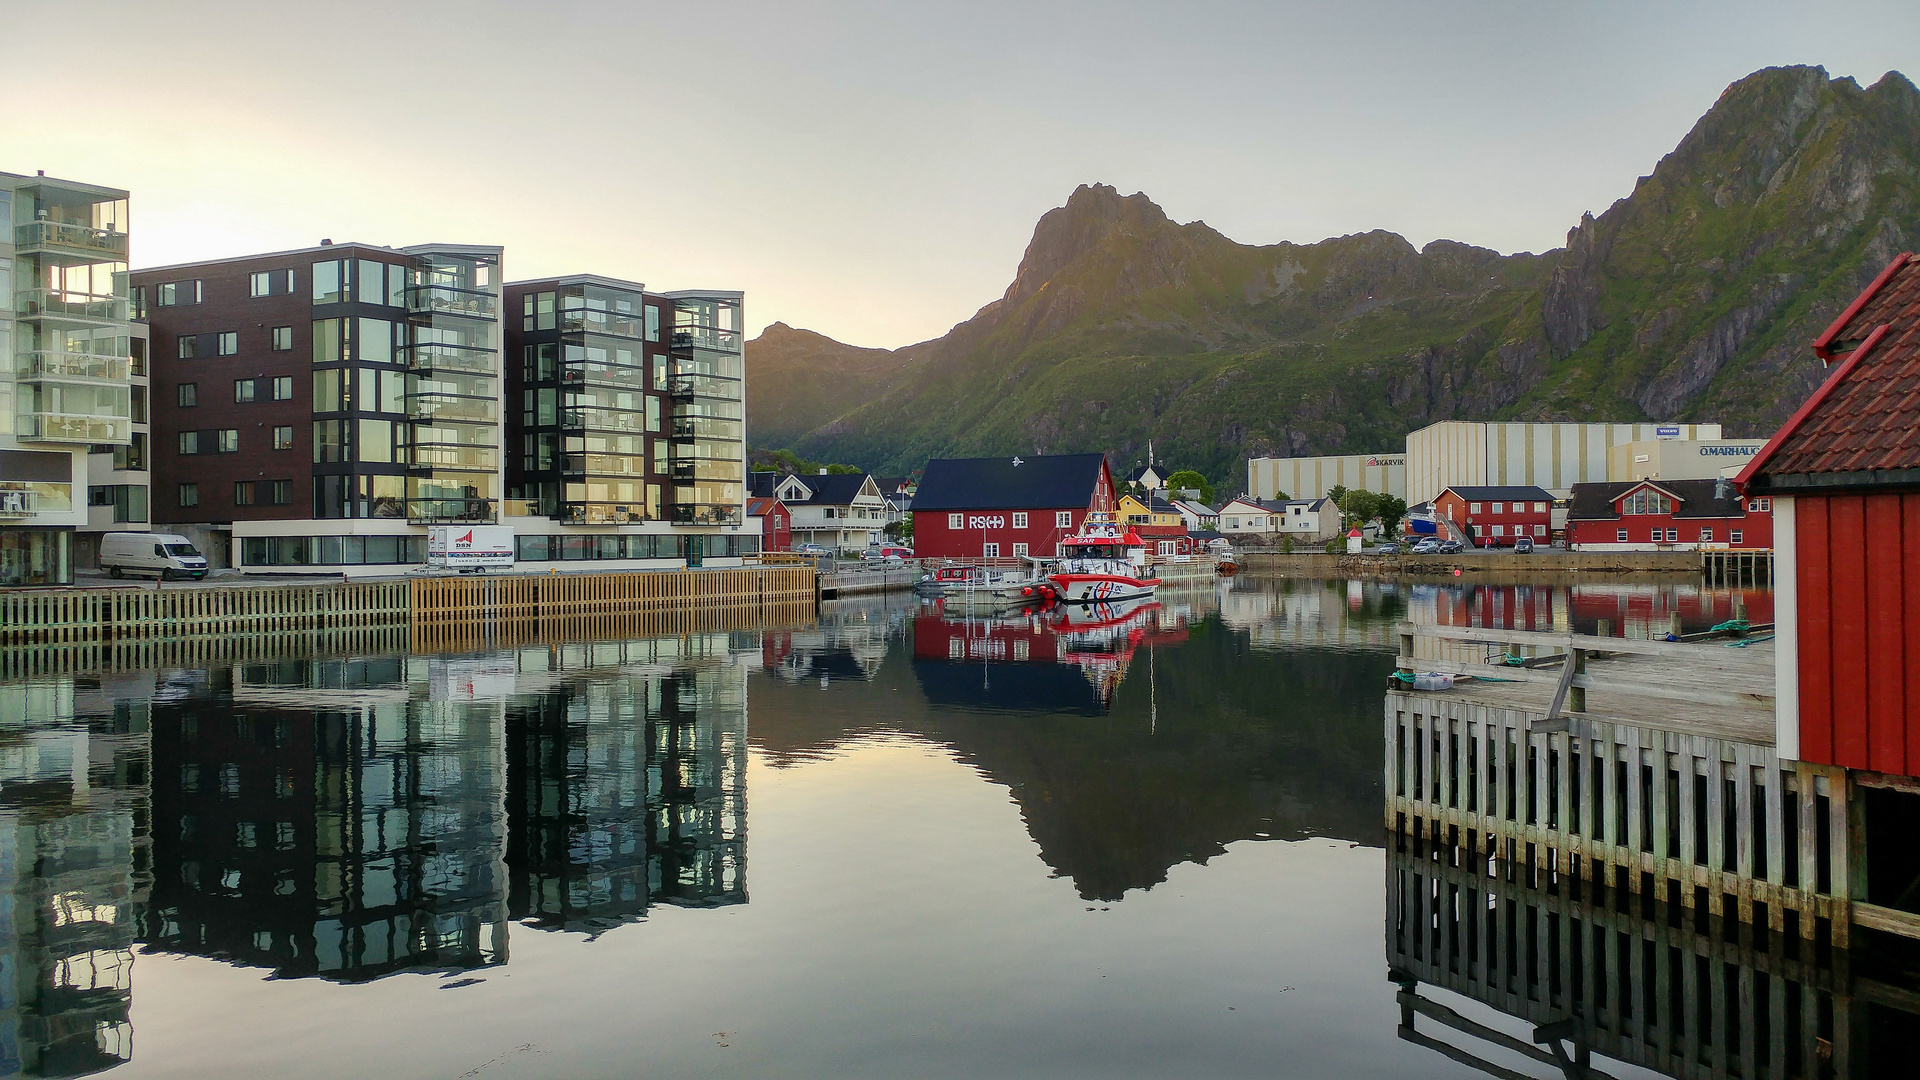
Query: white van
[(163, 555)]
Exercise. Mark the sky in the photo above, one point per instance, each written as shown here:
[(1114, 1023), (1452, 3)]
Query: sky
[(874, 171)]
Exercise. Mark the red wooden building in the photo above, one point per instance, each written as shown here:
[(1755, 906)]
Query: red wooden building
[(1844, 477), (1497, 516), (776, 523), (1667, 515), (971, 508)]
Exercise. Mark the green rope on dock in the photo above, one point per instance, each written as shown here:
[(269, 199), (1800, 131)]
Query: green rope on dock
[(1515, 661), (1491, 678), (1744, 642), (1738, 626)]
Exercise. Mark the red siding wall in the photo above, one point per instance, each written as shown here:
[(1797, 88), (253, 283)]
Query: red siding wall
[(1857, 643), (1756, 530), (1480, 526), (934, 539)]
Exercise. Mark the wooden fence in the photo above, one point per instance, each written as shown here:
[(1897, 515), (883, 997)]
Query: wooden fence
[(125, 654), (440, 600), (71, 616)]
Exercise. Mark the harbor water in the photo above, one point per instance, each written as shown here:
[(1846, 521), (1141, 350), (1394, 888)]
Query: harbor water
[(1141, 841)]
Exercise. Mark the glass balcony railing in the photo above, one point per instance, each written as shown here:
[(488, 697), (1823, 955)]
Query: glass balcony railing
[(68, 427), (449, 358), (706, 337), (709, 514), (50, 364), (451, 408), (476, 510), (687, 428), (56, 303), (587, 320), (604, 420), (100, 245), (443, 300)]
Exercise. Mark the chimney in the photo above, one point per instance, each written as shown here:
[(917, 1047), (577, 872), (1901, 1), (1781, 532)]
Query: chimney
[(823, 470)]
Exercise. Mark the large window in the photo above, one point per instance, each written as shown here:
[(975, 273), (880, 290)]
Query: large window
[(283, 438), (326, 282), (189, 442), (243, 493), (283, 388), (229, 343), (189, 495), (187, 394), (1646, 502), (243, 389), (282, 338)]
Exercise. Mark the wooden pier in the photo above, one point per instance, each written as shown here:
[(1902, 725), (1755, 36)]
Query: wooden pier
[(1737, 567), (1642, 766)]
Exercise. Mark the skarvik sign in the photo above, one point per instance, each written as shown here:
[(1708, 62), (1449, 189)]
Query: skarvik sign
[(982, 521), (1375, 462)]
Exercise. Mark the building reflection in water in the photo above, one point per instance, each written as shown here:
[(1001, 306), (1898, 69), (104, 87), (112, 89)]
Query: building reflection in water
[(352, 818), (74, 859)]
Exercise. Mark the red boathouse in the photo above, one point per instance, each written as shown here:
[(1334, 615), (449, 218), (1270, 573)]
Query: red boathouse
[(971, 508), (1844, 476)]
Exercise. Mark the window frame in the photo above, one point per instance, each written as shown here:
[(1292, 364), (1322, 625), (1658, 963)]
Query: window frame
[(186, 395), (1019, 519), (187, 495), (280, 443), (956, 521)]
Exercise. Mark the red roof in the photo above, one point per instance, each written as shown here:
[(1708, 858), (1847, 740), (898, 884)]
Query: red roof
[(1865, 419), (761, 507)]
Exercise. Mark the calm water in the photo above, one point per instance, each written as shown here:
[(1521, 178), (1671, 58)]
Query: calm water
[(1137, 843)]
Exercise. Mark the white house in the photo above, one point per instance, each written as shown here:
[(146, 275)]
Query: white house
[(1197, 516), (842, 511), (1301, 519)]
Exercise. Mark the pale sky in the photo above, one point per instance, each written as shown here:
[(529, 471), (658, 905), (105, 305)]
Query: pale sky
[(869, 170)]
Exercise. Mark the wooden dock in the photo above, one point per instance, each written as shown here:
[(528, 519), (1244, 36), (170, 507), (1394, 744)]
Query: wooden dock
[(1641, 766)]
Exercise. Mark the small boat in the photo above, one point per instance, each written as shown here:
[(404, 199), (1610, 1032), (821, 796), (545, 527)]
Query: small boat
[(1224, 562), (1102, 564)]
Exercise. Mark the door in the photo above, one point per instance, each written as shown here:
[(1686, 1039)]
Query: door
[(696, 550)]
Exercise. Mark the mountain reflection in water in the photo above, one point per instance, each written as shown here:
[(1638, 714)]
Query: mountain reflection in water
[(344, 819)]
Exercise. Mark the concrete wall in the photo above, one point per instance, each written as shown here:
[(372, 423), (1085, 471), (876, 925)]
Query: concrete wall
[(1313, 477)]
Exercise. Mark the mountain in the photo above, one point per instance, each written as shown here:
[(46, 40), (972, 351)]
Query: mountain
[(1693, 298)]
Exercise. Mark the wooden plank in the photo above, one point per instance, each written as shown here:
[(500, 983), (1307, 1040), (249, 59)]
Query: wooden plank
[(1883, 643), (1569, 642)]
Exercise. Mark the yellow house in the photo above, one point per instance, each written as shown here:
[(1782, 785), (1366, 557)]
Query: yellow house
[(1157, 512)]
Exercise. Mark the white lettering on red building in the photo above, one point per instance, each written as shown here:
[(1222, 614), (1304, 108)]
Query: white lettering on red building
[(982, 521)]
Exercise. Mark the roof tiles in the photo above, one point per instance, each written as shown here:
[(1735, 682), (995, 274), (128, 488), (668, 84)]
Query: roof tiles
[(1866, 417)]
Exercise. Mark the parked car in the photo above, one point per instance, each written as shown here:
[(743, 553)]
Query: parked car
[(1429, 546), (1523, 546), (1450, 547), (891, 553), (812, 549), (1388, 548)]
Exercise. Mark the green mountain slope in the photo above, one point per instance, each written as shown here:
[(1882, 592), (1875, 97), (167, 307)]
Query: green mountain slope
[(1691, 299)]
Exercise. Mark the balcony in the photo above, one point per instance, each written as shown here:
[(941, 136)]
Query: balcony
[(71, 428), (450, 358), (473, 410), (15, 505), (460, 511), (590, 321), (706, 337), (61, 238), (691, 514), (63, 366), (74, 306), (689, 428), (443, 300)]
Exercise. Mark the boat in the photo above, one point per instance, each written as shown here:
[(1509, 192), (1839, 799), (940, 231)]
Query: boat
[(1102, 564), (1224, 561)]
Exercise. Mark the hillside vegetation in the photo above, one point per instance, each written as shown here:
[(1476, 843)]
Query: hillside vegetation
[(1693, 298)]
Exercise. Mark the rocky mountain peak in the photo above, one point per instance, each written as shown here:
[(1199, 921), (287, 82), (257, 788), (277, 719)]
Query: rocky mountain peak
[(1094, 215)]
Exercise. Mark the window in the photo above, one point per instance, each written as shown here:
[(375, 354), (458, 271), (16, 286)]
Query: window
[(1673, 536), (283, 388), (326, 391), (228, 440), (1620, 535), (1499, 530), (1706, 536), (1539, 530), (189, 442), (1646, 502), (1019, 551), (189, 346), (187, 395), (137, 403), (956, 521), (326, 282), (653, 323), (1759, 506), (1020, 519), (991, 551), (243, 493), (282, 338), (1063, 519), (829, 512), (189, 495), (260, 284), (229, 343), (374, 441), (1735, 536), (283, 438), (1539, 508), (243, 390), (329, 341), (1473, 508), (283, 492), (166, 295), (1498, 508)]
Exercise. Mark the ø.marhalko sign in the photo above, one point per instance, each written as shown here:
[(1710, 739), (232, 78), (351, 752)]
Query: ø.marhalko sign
[(983, 521)]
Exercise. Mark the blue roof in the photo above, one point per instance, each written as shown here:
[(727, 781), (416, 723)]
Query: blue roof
[(1042, 482)]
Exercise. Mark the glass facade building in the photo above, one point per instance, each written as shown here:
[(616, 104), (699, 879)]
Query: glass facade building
[(65, 379), (707, 395)]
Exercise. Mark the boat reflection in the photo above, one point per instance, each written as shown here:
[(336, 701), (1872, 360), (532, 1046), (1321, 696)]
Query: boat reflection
[(1067, 658)]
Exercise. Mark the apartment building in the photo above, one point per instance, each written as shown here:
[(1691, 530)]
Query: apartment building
[(321, 408), (66, 391), (629, 425)]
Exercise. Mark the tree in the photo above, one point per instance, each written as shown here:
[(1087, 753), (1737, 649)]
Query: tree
[(844, 470), (1359, 506), (1391, 509), (1337, 492), (1189, 479)]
